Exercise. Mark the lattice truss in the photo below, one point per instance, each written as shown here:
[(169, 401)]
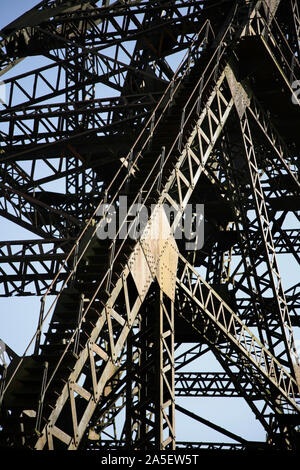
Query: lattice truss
[(165, 103)]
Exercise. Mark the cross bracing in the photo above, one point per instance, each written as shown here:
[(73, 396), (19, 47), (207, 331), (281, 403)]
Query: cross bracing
[(166, 103)]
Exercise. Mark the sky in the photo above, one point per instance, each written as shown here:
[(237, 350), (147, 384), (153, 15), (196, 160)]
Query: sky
[(19, 316)]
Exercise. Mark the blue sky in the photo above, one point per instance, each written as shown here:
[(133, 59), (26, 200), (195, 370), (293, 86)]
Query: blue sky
[(11, 9), (19, 315)]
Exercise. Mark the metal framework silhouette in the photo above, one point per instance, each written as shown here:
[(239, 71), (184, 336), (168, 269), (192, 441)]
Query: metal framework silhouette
[(161, 102)]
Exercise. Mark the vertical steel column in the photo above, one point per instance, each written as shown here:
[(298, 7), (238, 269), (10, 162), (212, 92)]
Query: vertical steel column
[(280, 329), (164, 368), (150, 413), (236, 179), (140, 369), (79, 92)]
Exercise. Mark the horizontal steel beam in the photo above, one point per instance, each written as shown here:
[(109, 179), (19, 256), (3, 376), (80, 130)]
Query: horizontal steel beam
[(209, 384)]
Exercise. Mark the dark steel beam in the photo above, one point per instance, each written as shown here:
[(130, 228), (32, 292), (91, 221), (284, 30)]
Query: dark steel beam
[(209, 384), (93, 379)]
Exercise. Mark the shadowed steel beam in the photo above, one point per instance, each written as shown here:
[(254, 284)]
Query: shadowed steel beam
[(98, 375), (208, 384), (227, 330), (220, 429)]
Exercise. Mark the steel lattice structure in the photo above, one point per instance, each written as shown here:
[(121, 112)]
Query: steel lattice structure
[(161, 102)]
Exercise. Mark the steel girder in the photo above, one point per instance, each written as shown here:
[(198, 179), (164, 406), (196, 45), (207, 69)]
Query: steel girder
[(121, 287), (213, 307), (29, 266), (101, 353), (31, 127)]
